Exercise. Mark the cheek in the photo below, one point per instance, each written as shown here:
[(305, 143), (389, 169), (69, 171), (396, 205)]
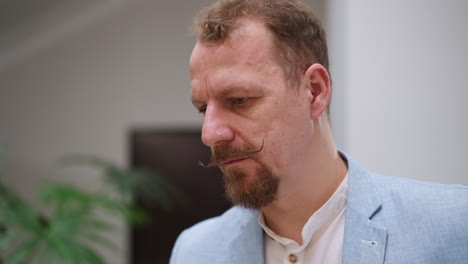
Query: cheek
[(285, 126), (289, 137), (277, 144)]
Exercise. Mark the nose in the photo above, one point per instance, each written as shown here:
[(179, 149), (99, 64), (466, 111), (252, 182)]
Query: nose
[(216, 127)]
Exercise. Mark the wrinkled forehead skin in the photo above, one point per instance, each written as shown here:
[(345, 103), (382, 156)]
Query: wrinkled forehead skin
[(250, 44)]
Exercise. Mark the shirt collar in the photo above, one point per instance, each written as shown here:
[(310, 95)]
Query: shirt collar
[(320, 218)]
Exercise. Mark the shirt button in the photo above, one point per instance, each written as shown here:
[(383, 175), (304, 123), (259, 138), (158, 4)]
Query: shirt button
[(292, 258)]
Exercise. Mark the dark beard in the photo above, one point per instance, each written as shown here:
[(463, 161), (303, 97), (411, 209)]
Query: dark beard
[(254, 195)]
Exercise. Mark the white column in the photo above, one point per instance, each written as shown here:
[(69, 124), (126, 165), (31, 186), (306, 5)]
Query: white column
[(400, 67)]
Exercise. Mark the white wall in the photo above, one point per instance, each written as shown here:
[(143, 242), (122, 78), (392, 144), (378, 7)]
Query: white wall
[(83, 90), (402, 68)]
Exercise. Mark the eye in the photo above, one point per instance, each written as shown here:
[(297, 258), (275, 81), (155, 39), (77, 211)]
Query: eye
[(241, 100), (202, 109)]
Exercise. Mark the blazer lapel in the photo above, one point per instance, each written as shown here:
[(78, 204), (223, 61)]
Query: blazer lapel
[(247, 248), (364, 240)]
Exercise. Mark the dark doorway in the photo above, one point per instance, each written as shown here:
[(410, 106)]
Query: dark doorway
[(175, 154)]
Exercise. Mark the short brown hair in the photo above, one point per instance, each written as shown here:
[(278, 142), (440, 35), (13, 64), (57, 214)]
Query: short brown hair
[(300, 39)]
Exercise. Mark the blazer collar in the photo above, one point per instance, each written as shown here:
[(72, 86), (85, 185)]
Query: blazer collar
[(364, 240), (362, 194)]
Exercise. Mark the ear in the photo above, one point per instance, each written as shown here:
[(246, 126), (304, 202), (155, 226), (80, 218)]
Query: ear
[(318, 83)]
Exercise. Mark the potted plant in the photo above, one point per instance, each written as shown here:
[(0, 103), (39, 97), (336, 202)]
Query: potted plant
[(74, 226)]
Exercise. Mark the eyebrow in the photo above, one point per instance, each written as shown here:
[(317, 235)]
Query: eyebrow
[(241, 88), (196, 101), (231, 89)]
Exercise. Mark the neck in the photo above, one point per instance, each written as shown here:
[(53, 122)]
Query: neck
[(314, 182)]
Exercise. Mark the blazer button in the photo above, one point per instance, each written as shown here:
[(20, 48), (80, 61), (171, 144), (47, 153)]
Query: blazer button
[(292, 258)]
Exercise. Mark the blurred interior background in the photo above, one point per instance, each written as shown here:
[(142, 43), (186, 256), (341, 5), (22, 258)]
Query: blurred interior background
[(80, 76)]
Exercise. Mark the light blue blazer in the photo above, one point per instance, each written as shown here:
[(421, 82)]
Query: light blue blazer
[(387, 220)]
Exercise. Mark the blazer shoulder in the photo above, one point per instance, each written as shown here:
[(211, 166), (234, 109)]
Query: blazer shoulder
[(421, 192), (212, 235), (220, 227), (428, 218), (435, 211)]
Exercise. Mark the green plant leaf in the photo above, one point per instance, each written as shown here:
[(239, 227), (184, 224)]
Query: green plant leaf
[(16, 213), (22, 252), (149, 185), (45, 255), (99, 240), (98, 225), (65, 249), (87, 255), (8, 239)]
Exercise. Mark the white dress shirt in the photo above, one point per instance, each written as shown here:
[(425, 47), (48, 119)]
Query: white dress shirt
[(322, 235)]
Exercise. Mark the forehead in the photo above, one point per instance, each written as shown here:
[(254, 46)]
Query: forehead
[(249, 45)]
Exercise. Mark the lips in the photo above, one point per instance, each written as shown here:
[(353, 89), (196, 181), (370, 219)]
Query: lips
[(233, 161)]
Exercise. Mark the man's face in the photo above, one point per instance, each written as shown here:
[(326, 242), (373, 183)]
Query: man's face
[(256, 126)]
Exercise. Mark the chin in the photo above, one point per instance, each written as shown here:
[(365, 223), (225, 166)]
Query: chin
[(253, 190)]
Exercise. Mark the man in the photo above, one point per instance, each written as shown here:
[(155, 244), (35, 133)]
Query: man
[(259, 75)]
